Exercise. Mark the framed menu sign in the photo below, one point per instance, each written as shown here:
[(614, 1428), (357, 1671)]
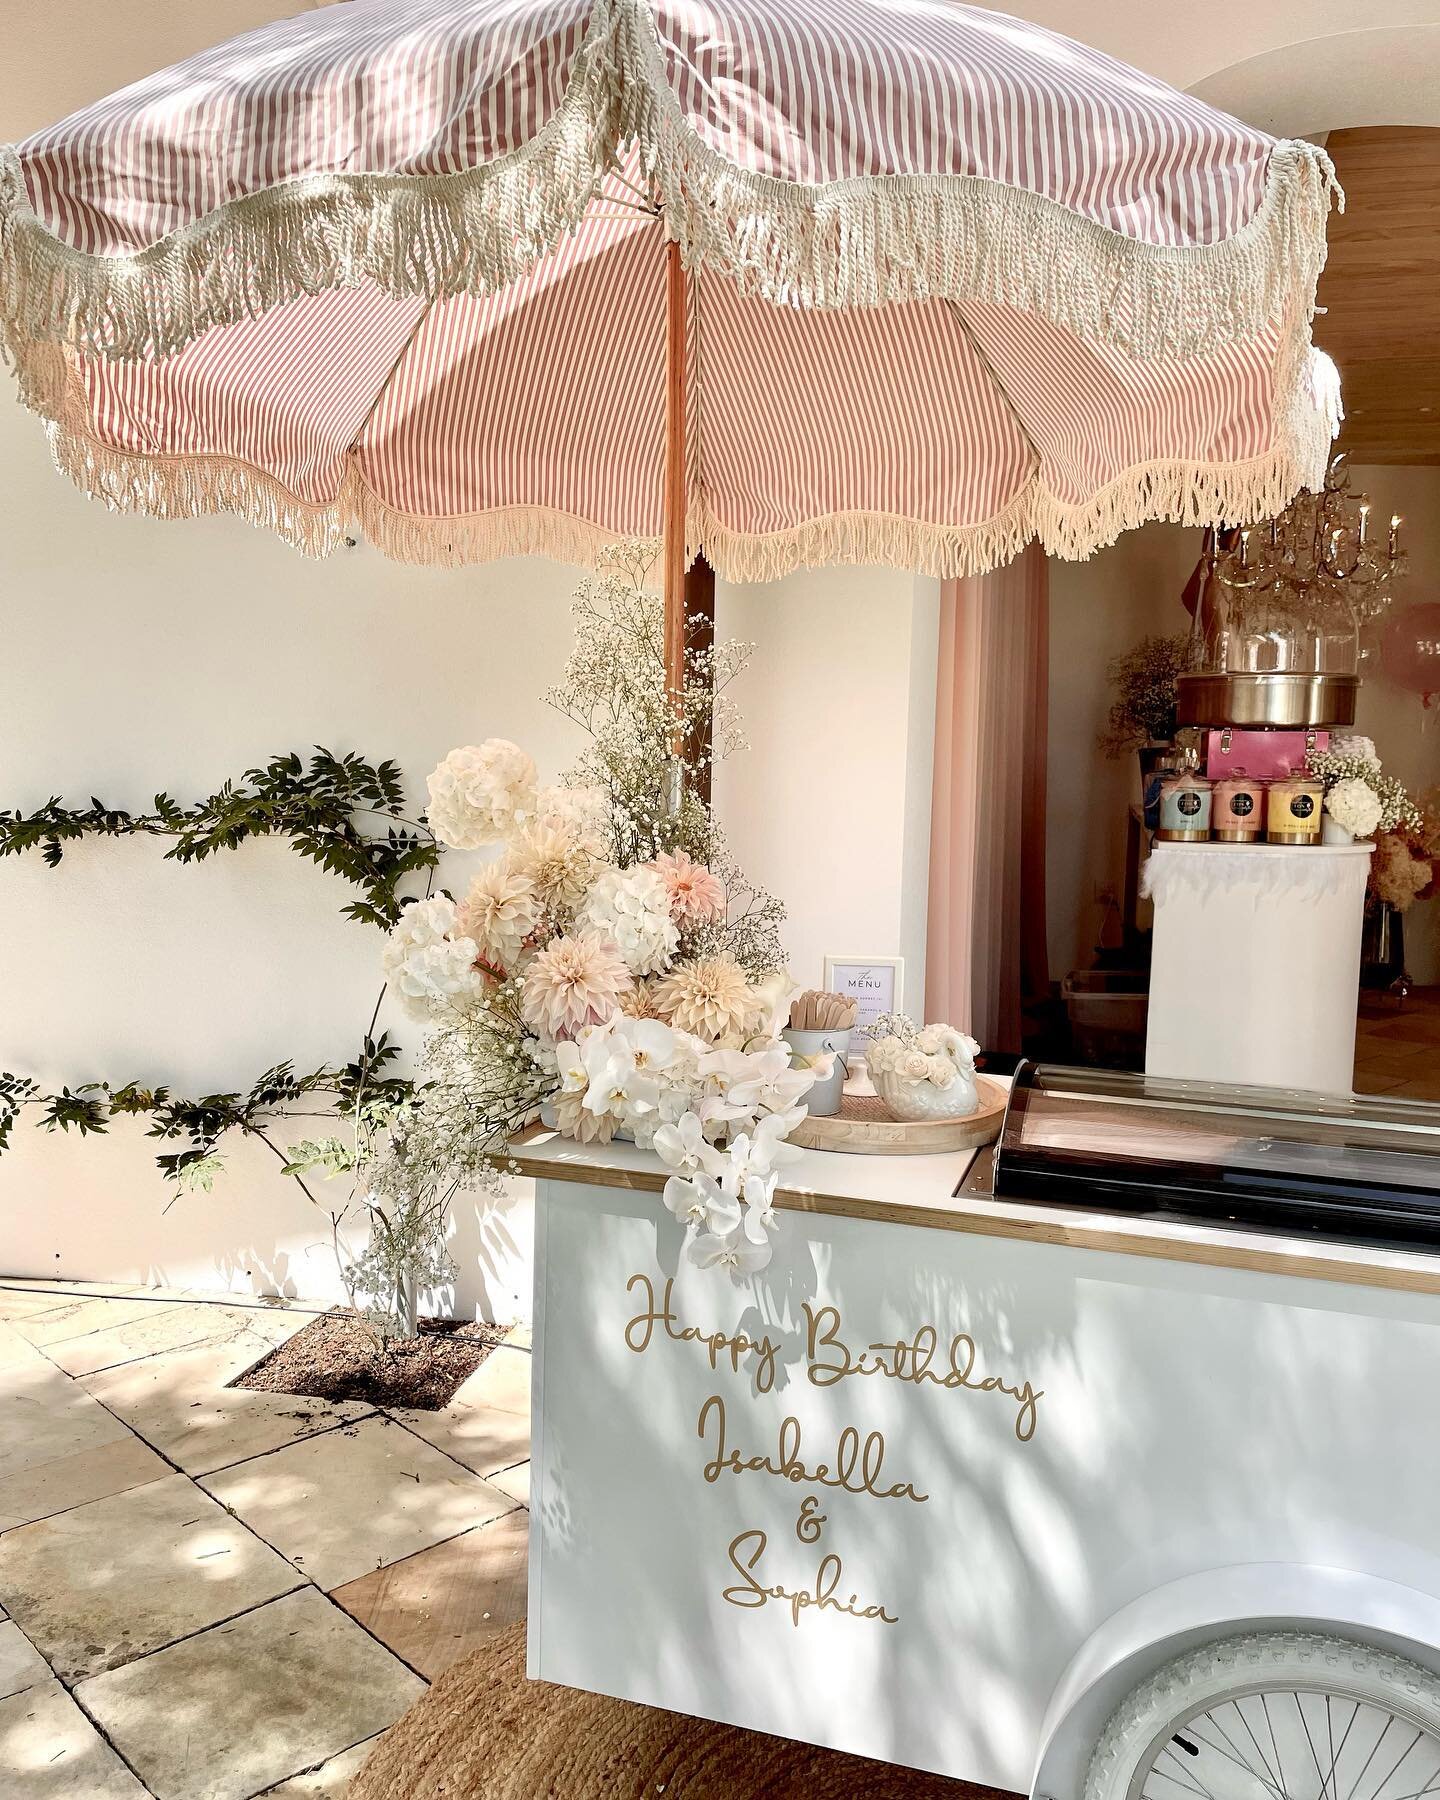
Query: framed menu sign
[(874, 983)]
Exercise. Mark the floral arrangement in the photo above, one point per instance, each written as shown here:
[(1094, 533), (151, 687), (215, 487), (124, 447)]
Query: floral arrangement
[(1368, 803), (609, 967), (922, 1071), (1406, 864), (1143, 711), (1357, 789)]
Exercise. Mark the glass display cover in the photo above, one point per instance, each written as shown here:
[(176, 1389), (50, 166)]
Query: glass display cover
[(1360, 1168)]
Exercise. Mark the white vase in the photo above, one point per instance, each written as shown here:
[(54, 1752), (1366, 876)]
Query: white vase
[(1333, 832), (917, 1101)]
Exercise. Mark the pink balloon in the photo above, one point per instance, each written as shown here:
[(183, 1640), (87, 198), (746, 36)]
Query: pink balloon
[(1410, 649)]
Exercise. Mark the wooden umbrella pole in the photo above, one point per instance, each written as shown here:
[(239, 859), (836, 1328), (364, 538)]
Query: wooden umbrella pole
[(676, 369)]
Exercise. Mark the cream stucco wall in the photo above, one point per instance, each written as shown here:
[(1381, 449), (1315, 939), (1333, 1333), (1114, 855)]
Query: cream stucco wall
[(141, 655)]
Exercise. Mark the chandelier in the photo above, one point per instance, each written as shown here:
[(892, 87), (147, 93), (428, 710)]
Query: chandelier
[(1324, 551), (1287, 611)]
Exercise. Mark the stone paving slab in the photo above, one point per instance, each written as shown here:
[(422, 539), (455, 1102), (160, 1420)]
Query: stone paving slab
[(331, 1781), (84, 1315), (182, 1404), (49, 1750), (502, 1380), (44, 1415), (15, 1349), (102, 1584), (514, 1482), (484, 1438), (238, 1708), (166, 1327), (84, 1475), (21, 1664), (439, 1605), (347, 1502)]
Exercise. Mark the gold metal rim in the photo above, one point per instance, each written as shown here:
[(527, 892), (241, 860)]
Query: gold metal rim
[(1274, 701)]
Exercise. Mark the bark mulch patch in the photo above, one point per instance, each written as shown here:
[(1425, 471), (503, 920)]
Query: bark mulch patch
[(336, 1357)]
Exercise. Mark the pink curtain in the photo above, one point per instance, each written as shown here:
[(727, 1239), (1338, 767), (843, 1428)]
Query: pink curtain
[(985, 955)]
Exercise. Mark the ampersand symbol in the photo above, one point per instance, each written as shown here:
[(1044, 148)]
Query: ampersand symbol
[(811, 1521)]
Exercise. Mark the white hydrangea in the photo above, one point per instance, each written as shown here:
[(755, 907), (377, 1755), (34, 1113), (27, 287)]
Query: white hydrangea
[(1355, 806), (427, 966), (582, 814), (480, 794), (1361, 749), (632, 907)]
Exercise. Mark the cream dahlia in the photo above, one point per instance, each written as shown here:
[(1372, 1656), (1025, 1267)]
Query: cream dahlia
[(558, 864), (573, 982), (632, 908), (480, 793), (696, 896), (573, 1119), (639, 1002), (500, 912), (709, 998)]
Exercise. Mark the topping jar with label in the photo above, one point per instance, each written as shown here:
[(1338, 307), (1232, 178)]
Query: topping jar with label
[(1294, 811), (1238, 813), (1185, 802)]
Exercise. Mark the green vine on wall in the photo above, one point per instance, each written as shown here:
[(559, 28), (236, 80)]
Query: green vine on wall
[(341, 812)]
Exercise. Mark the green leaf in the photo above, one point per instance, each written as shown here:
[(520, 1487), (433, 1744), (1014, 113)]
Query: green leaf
[(329, 1156)]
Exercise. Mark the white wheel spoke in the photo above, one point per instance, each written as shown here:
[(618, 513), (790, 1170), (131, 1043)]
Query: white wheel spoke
[(1274, 1774), (1184, 1779), (1240, 1761), (1314, 1753), (1279, 1760), (1278, 1716), (1431, 1787), (1350, 1795), (1396, 1764), (1335, 1754)]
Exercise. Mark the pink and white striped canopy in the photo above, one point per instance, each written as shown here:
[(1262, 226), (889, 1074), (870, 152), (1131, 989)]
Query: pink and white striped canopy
[(399, 265)]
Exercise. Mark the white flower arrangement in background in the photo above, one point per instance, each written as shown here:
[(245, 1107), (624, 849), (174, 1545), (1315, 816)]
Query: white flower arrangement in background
[(1359, 796), (1354, 805), (1356, 748)]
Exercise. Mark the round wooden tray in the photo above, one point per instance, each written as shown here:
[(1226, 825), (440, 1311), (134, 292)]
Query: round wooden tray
[(863, 1126)]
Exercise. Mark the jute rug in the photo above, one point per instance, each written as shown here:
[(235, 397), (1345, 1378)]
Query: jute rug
[(484, 1732)]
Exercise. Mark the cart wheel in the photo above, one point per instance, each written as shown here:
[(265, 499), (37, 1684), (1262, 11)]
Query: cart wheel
[(1280, 1715)]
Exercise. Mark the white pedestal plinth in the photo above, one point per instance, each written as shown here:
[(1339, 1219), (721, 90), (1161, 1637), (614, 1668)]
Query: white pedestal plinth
[(1255, 974)]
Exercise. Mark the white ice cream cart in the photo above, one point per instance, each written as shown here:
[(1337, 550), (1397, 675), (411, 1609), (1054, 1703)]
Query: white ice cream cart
[(1103, 1464)]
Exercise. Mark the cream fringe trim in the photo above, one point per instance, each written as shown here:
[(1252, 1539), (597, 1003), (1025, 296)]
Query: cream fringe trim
[(874, 240), (189, 487), (412, 235), (862, 242)]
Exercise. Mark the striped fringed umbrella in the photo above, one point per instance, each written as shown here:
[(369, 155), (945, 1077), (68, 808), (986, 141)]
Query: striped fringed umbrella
[(802, 281)]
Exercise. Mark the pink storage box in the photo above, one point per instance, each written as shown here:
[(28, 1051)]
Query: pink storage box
[(1262, 755)]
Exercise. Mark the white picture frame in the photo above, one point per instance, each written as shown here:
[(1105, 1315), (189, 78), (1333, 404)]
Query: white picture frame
[(875, 983)]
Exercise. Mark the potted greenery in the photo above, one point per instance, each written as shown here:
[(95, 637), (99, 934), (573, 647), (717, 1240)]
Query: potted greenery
[(1142, 714)]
